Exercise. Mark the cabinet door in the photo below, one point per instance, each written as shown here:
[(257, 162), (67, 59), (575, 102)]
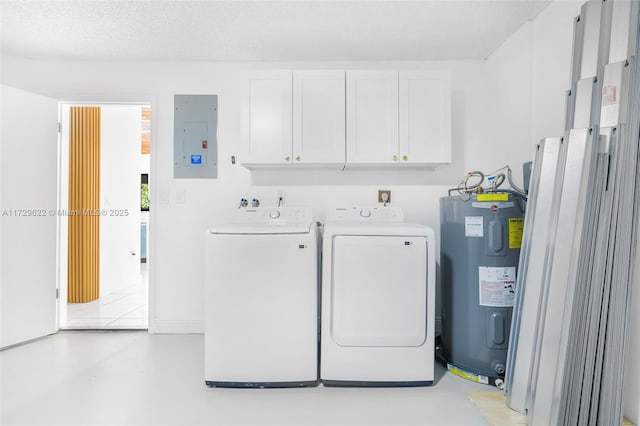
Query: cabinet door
[(267, 112), (318, 117), (425, 117), (372, 117)]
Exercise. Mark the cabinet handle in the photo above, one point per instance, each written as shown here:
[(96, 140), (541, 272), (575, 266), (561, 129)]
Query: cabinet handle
[(286, 158), (395, 158), (405, 157), (298, 158)]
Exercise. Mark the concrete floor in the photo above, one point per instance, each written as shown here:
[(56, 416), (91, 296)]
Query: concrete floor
[(135, 378)]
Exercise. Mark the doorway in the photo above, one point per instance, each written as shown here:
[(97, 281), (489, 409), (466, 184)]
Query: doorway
[(122, 297)]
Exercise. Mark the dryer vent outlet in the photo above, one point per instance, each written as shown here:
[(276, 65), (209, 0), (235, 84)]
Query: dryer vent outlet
[(384, 196)]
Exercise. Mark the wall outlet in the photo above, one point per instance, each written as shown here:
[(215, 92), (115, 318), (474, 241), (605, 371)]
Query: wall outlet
[(384, 196)]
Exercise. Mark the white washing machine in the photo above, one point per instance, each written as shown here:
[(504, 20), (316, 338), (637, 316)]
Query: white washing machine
[(261, 300), (378, 299)]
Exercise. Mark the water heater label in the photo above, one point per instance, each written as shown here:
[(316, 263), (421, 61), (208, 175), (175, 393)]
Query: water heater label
[(474, 226), (497, 286), (478, 378), (493, 197), (516, 227)]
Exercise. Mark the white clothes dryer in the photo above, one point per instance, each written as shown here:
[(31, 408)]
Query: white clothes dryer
[(378, 299), (261, 300)]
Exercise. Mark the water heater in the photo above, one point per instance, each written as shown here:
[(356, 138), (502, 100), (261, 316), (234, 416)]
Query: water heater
[(480, 235)]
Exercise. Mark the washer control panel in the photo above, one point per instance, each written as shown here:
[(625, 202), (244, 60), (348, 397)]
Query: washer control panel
[(275, 215), (365, 214)]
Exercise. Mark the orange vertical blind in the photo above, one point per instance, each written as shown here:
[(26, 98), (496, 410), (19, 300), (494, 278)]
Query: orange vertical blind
[(146, 130), (84, 205)]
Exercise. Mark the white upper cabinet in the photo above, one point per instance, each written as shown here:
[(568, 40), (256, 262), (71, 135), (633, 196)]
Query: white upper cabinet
[(425, 117), (267, 117), (318, 117), (294, 117), (372, 117), (398, 117)]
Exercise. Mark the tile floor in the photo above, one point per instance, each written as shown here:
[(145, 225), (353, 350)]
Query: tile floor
[(136, 378), (125, 308)]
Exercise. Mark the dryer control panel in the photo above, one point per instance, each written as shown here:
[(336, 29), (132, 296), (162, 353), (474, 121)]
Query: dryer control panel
[(275, 215), (365, 214)]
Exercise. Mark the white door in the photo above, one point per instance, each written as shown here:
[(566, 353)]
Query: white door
[(29, 160), (425, 117), (372, 117), (379, 291), (318, 117), (267, 117)]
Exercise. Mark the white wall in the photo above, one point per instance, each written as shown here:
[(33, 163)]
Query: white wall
[(528, 77), (120, 158), (508, 104), (551, 76), (29, 150)]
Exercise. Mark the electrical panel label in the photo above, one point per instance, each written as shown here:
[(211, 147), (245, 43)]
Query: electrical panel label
[(497, 286), (196, 159), (516, 227), (474, 226)]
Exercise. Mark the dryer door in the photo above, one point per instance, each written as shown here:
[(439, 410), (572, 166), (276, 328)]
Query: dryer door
[(379, 290)]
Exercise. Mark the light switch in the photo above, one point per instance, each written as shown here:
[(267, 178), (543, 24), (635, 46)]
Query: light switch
[(181, 196), (165, 198)]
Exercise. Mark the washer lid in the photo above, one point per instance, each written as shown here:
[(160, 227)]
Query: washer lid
[(263, 228)]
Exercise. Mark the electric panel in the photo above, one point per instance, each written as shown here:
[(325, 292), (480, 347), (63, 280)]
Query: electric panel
[(195, 141)]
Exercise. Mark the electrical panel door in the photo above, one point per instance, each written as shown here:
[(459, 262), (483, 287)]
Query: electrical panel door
[(195, 144)]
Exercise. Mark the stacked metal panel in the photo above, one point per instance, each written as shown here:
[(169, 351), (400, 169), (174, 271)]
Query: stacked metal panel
[(567, 338), (532, 265)]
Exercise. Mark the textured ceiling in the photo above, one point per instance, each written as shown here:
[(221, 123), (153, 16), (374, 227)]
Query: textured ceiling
[(261, 30)]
